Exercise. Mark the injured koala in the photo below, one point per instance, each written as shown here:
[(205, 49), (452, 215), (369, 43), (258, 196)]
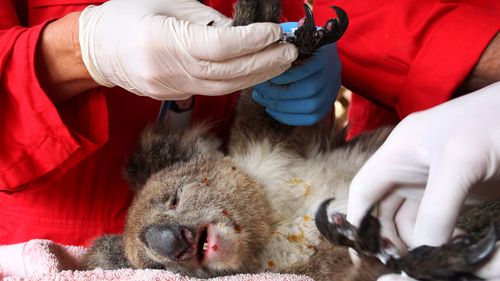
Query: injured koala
[(204, 213)]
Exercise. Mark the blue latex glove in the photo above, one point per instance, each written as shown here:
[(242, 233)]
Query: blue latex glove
[(310, 89)]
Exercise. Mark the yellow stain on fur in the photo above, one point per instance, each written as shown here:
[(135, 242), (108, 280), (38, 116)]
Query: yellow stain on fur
[(295, 181), (296, 238)]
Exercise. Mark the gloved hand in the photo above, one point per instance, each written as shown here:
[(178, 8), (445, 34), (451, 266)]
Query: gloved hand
[(166, 50), (310, 89), (429, 166)]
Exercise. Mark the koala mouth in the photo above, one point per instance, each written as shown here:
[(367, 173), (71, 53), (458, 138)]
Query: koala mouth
[(202, 244)]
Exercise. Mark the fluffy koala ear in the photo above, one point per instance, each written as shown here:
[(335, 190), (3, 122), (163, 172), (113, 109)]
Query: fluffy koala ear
[(160, 147)]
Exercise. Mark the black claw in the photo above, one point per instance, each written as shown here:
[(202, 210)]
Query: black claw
[(308, 38), (334, 28), (338, 234), (453, 261), (309, 19), (321, 220), (342, 21), (483, 249)]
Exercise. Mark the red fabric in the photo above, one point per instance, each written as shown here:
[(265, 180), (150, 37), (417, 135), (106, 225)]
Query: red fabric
[(61, 166), (405, 56)]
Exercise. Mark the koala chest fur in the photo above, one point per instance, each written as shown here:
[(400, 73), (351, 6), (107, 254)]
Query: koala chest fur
[(297, 169), (295, 185)]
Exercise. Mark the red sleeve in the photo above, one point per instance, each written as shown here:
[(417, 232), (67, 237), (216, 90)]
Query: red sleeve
[(293, 10), (37, 138), (410, 55)]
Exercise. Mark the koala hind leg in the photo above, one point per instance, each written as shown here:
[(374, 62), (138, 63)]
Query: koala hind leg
[(250, 11)]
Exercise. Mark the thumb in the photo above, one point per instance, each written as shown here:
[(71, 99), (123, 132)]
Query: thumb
[(450, 178), (218, 44)]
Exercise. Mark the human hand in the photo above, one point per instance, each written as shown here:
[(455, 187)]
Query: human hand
[(172, 49), (431, 164), (302, 95)]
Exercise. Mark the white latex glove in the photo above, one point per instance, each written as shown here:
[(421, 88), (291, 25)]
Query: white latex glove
[(431, 163), (166, 50)]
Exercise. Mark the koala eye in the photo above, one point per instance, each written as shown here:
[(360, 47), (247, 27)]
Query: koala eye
[(173, 201)]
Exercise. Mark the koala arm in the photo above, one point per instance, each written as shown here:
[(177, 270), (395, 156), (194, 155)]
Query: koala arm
[(332, 262), (106, 253)]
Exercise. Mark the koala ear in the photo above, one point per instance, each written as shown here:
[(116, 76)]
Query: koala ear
[(161, 147)]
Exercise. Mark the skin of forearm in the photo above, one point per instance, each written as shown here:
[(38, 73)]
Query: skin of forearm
[(487, 69), (58, 60)]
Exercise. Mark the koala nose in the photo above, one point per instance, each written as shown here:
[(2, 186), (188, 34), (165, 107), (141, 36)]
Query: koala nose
[(172, 241)]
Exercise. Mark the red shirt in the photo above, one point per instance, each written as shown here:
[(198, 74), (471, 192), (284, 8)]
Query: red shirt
[(61, 166), (408, 55)]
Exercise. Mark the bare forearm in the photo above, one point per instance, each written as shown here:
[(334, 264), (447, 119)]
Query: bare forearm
[(59, 63), (486, 71)]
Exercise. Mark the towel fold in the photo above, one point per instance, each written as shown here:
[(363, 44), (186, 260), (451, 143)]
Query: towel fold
[(46, 260)]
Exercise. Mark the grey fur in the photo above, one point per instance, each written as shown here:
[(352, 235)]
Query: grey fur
[(250, 11), (106, 252)]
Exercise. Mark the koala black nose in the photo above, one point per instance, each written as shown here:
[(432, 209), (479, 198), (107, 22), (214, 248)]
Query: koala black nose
[(172, 241)]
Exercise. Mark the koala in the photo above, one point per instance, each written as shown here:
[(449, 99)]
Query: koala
[(204, 211)]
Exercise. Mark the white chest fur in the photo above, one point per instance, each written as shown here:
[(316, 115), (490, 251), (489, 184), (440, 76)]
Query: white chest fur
[(295, 187)]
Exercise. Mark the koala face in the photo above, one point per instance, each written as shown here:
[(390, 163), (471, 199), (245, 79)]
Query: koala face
[(200, 218)]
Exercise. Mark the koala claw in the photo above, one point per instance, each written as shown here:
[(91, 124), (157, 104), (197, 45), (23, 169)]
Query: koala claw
[(453, 261), (308, 38)]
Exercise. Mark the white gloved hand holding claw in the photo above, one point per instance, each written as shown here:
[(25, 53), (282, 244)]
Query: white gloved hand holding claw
[(172, 49), (432, 163)]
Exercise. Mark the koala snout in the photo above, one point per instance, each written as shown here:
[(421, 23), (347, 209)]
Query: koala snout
[(172, 241)]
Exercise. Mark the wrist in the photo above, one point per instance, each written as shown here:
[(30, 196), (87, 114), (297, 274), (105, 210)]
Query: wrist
[(59, 62)]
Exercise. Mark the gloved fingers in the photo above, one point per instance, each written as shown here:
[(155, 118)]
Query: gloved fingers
[(221, 87), (158, 89), (387, 211), (305, 88), (192, 11), (405, 220), (259, 98), (297, 119), (491, 270), (273, 57), (217, 44), (373, 181), (447, 188), (312, 65), (309, 105), (395, 277)]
